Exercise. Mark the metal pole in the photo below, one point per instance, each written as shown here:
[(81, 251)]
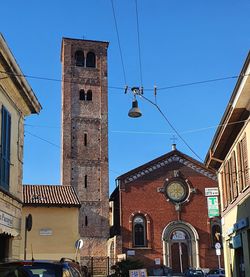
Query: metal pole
[(25, 243), (219, 261)]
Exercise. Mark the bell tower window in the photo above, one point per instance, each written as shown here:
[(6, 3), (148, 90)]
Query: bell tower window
[(89, 95), (82, 94), (90, 61), (79, 58)]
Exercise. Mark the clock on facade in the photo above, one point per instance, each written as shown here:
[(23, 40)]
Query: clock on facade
[(176, 191)]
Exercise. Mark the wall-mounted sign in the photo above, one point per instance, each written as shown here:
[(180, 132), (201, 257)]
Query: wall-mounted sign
[(45, 232), (157, 261), (211, 191), (213, 206), (6, 219), (218, 252), (131, 252), (138, 273)]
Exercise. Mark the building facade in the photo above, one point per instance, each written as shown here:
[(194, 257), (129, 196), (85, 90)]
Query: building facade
[(17, 100), (229, 154), (85, 138), (55, 215), (159, 215)]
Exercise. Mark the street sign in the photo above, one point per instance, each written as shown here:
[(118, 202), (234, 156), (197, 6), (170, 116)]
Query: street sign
[(217, 245), (211, 191), (213, 206), (218, 252)]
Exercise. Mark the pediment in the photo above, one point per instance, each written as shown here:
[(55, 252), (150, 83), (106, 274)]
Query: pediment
[(159, 163)]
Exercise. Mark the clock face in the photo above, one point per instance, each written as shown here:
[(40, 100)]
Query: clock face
[(176, 191)]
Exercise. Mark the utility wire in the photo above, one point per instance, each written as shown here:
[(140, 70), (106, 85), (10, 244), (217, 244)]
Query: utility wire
[(118, 38), (171, 125), (51, 143), (138, 38), (122, 88), (150, 132)]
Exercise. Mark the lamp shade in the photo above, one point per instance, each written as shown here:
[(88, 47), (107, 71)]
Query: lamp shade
[(134, 111)]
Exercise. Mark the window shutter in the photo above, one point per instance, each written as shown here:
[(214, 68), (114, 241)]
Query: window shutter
[(227, 181), (239, 166), (245, 160), (224, 190), (234, 176), (5, 149)]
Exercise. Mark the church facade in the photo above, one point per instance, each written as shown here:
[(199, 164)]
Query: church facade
[(159, 214)]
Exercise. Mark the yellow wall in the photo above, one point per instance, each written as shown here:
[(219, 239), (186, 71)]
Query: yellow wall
[(63, 222), (239, 211)]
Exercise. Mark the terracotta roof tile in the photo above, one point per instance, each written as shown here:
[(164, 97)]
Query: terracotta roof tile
[(50, 195)]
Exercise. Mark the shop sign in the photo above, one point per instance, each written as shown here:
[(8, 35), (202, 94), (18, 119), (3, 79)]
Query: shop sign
[(213, 206), (6, 219), (236, 241), (240, 224), (211, 191)]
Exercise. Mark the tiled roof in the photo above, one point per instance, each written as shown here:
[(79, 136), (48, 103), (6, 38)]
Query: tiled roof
[(50, 195)]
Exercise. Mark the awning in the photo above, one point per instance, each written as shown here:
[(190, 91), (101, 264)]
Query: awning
[(8, 231)]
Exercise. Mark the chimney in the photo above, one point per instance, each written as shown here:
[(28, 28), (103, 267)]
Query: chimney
[(173, 146)]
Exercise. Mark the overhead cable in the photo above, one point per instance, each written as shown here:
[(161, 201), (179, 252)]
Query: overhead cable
[(122, 88), (138, 39), (171, 125), (119, 44)]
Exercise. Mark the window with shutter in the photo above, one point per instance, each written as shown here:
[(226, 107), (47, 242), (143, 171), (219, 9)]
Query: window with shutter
[(245, 161), (239, 167), (234, 176), (224, 190), (5, 149)]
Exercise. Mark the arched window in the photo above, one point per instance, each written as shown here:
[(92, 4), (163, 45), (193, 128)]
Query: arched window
[(139, 232), (79, 58), (82, 94), (90, 61), (89, 95)]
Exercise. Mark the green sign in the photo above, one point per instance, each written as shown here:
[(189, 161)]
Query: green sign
[(213, 206)]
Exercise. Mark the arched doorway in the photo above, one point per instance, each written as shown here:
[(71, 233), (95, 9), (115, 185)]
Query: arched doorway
[(180, 246)]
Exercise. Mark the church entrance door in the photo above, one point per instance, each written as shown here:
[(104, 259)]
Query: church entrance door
[(180, 250), (179, 256)]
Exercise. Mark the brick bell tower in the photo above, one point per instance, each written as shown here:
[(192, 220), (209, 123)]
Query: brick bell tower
[(85, 137)]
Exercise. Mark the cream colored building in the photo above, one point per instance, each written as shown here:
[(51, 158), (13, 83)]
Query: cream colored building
[(17, 100), (55, 216), (229, 154)]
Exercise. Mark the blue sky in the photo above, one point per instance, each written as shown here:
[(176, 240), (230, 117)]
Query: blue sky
[(180, 42)]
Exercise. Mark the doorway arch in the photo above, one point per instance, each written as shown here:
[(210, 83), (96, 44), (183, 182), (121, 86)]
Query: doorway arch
[(180, 246)]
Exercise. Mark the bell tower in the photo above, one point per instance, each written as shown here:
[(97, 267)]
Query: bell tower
[(85, 137)]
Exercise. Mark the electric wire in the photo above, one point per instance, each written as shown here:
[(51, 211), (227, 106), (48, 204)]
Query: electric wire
[(45, 140), (150, 132), (171, 125), (122, 88), (119, 44), (138, 39)]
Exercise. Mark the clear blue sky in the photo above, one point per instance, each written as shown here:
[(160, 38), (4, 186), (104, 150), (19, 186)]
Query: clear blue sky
[(181, 42)]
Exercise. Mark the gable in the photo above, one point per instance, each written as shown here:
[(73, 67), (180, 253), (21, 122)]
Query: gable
[(153, 166)]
